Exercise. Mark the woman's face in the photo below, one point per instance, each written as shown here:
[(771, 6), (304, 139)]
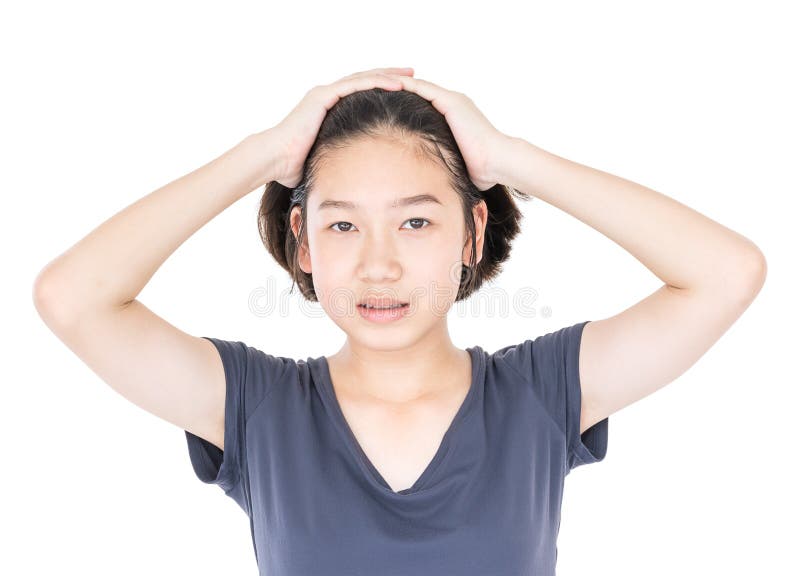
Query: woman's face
[(363, 240)]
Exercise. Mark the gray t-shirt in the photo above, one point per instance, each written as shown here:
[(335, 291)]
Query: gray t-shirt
[(488, 503)]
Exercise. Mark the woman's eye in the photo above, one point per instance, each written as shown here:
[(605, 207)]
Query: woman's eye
[(336, 225), (418, 220)]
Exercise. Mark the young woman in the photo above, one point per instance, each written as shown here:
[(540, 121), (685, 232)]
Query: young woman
[(387, 199)]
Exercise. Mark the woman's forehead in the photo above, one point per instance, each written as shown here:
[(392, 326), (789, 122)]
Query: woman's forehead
[(374, 165)]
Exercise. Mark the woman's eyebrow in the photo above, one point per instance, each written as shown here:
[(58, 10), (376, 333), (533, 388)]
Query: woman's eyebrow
[(398, 203)]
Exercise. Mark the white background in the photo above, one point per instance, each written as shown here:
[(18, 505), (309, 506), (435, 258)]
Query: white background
[(106, 102)]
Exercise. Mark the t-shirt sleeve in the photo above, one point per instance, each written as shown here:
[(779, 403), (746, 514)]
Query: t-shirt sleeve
[(551, 363), (250, 375)]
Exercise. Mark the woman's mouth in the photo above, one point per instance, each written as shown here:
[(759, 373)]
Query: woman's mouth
[(382, 314)]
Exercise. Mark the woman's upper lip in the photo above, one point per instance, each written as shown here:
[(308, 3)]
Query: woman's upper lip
[(380, 302)]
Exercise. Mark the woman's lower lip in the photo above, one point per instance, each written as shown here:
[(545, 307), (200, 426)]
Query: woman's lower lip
[(382, 316)]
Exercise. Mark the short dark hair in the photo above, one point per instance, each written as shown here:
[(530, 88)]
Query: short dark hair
[(378, 112)]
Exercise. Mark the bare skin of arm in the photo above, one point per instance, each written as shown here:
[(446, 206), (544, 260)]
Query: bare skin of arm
[(87, 295), (711, 274)]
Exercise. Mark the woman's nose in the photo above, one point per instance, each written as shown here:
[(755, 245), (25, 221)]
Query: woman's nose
[(379, 261)]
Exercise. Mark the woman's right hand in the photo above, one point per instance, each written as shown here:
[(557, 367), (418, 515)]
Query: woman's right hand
[(293, 137)]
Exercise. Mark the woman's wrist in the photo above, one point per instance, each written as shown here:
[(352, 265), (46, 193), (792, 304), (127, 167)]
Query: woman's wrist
[(263, 157)]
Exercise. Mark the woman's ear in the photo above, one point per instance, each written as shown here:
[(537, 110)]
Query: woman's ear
[(303, 255), (480, 215)]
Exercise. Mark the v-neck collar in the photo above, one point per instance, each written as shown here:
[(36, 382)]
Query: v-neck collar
[(322, 377)]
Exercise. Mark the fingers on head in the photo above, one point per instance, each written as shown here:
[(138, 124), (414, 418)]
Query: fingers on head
[(369, 80), (406, 70)]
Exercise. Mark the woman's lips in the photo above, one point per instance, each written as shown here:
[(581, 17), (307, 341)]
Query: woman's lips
[(382, 315)]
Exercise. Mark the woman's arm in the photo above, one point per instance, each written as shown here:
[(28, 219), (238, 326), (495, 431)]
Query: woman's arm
[(87, 296), (711, 275), (682, 247), (109, 267)]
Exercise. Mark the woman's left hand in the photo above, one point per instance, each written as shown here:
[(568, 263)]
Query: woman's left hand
[(479, 142)]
